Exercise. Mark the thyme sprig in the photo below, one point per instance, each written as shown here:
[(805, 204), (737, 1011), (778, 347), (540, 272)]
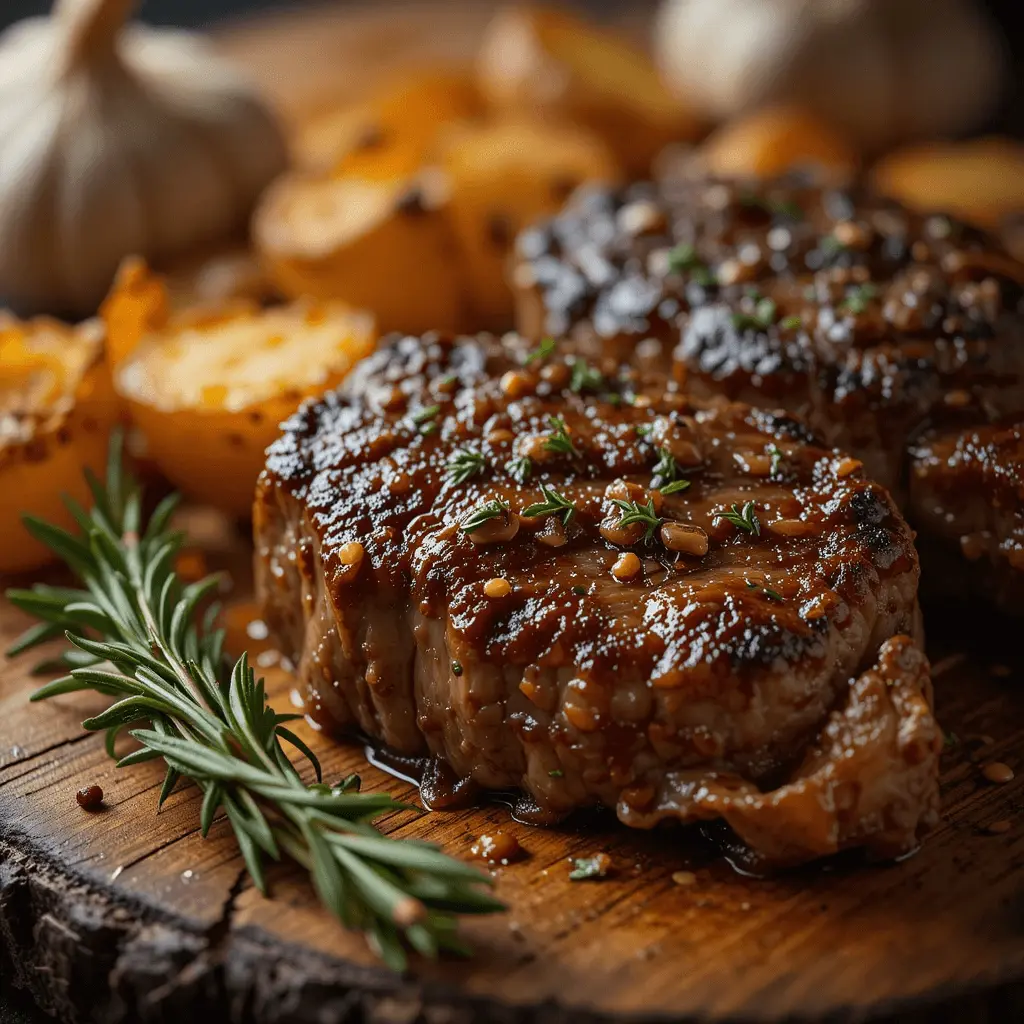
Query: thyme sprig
[(520, 468), (554, 504), (141, 636), (585, 377), (633, 512), (743, 519), (463, 465), (544, 350), (559, 440), (484, 514)]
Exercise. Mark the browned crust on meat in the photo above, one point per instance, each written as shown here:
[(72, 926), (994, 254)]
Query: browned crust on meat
[(574, 685), (881, 320), (967, 495)]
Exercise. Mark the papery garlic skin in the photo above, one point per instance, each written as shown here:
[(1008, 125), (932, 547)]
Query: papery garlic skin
[(149, 146), (882, 71)]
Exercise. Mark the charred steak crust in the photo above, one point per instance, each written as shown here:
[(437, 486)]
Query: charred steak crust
[(967, 493), (867, 319), (646, 662)]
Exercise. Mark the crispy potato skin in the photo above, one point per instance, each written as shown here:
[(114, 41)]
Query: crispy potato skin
[(981, 181), (395, 130), (37, 470), (383, 245), (504, 176), (207, 387), (773, 140), (535, 62)]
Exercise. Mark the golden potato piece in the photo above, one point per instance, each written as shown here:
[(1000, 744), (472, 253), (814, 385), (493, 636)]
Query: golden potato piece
[(981, 181), (393, 132), (543, 62), (385, 246), (208, 390), (776, 139), (503, 177), (57, 409)]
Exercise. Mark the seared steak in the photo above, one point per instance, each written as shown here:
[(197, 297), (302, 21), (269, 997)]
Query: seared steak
[(603, 591), (867, 319), (967, 494)]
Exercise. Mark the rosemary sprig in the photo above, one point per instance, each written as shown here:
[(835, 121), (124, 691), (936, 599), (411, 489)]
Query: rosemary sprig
[(554, 504), (743, 519), (633, 512), (484, 514), (463, 465), (139, 635), (520, 468), (772, 595), (559, 440)]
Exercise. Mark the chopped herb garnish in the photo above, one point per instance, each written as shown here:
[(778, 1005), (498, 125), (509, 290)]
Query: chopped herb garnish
[(554, 504), (790, 323), (644, 429), (683, 257), (858, 298), (544, 350), (666, 468), (779, 207), (584, 868), (556, 773), (761, 319), (559, 439), (585, 377), (831, 246), (447, 382), (580, 591), (743, 519), (675, 487), (463, 465), (456, 668), (612, 398), (772, 595), (776, 455), (632, 512), (428, 412), (520, 469), (704, 276), (484, 514)]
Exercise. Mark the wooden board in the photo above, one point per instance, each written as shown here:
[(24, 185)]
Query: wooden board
[(129, 915)]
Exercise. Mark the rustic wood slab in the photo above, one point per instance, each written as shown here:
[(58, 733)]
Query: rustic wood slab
[(129, 915)]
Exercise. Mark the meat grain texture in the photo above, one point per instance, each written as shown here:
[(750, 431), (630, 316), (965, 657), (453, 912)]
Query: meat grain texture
[(758, 667), (874, 323)]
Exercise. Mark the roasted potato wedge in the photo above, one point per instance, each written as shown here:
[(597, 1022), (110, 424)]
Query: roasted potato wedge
[(385, 246), (208, 389), (503, 177), (981, 181), (393, 132), (774, 140), (537, 62), (57, 408)]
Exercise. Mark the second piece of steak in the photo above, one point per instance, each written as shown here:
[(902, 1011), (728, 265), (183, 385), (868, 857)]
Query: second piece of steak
[(603, 592), (869, 320), (967, 494)]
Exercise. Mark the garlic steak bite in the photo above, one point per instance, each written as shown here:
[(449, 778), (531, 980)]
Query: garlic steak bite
[(602, 592)]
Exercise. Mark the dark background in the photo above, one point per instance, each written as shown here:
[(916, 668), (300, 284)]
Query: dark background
[(1008, 13)]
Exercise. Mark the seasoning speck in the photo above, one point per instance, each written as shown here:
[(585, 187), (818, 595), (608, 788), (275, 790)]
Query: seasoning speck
[(90, 798), (497, 587), (684, 878), (498, 848), (456, 668), (997, 772), (587, 868), (626, 566)]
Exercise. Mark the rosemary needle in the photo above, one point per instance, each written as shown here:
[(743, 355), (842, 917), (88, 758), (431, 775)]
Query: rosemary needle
[(139, 635)]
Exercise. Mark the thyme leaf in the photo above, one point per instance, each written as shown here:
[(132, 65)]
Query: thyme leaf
[(554, 504), (484, 514), (632, 512), (559, 440), (743, 519), (463, 465)]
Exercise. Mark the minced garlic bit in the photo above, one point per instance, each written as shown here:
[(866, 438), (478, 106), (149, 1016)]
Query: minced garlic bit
[(997, 772), (497, 587), (626, 566), (351, 553)]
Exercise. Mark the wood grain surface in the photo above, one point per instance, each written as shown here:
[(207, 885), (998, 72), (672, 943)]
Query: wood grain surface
[(127, 915)]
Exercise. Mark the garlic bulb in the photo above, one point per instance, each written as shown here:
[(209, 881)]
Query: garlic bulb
[(881, 70), (117, 140)]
